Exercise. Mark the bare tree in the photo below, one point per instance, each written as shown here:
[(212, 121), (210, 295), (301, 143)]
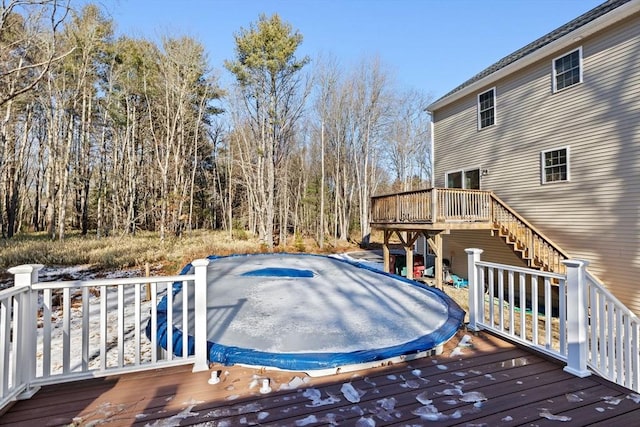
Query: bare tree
[(408, 151), (267, 73), (178, 97), (28, 43)]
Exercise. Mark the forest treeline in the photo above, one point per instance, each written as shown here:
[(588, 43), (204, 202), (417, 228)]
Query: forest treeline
[(110, 135)]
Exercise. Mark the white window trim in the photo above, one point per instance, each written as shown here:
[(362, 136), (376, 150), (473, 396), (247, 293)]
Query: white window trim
[(553, 70), (495, 108), (462, 171), (543, 175)]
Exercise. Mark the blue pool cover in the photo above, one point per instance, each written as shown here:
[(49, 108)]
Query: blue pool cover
[(365, 314)]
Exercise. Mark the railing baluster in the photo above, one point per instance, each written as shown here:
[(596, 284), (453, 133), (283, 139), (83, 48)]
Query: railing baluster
[(619, 346), (103, 327), (611, 341), (185, 320), (120, 309), (169, 348), (154, 322), (512, 301), (635, 358), (562, 303), (534, 309), (602, 328), (523, 306), (491, 301), (547, 312), (593, 325), (46, 332), (137, 321), (626, 366), (66, 331), (5, 343), (85, 328), (501, 298)]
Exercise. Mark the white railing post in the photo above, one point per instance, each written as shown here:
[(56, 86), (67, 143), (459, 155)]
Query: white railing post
[(25, 276), (200, 313), (476, 290), (577, 321)]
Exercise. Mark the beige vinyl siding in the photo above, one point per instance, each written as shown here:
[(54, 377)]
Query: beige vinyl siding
[(495, 250), (595, 216)]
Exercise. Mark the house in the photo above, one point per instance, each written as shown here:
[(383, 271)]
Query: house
[(553, 130)]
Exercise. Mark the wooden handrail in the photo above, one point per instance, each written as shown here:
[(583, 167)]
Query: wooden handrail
[(536, 247), (528, 224)]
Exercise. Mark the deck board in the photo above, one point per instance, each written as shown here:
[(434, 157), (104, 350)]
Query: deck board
[(493, 383)]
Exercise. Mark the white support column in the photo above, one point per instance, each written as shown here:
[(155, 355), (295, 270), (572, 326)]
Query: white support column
[(25, 324), (577, 321), (200, 314), (476, 290)]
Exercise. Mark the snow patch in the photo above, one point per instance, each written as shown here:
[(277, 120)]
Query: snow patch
[(548, 415), (351, 393), (456, 352), (465, 341), (634, 397), (315, 396), (365, 422), (610, 400), (307, 420), (573, 398)]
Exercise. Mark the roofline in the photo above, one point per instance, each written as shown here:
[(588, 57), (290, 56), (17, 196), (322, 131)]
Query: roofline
[(610, 18)]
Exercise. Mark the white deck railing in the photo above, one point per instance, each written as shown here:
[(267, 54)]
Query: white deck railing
[(52, 332), (99, 326), (570, 317), (614, 333)]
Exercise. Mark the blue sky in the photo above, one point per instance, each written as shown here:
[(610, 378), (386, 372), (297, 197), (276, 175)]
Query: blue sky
[(429, 45)]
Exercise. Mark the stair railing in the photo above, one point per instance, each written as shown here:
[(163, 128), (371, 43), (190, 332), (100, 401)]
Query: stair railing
[(538, 249)]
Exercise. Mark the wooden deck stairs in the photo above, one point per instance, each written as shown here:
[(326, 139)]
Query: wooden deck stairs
[(440, 210), (530, 244)]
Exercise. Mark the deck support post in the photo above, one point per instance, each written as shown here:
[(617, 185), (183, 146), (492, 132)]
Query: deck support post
[(200, 314), (435, 242), (476, 289), (385, 251), (408, 249), (25, 322), (577, 318), (408, 239)]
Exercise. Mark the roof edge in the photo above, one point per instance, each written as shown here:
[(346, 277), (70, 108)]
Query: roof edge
[(618, 14)]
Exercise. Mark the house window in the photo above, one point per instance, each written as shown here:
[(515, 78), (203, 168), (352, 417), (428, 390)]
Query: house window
[(567, 70), (467, 179), (487, 108), (555, 165)]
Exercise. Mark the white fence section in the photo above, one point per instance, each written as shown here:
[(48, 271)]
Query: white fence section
[(613, 336), (570, 317), (52, 332)]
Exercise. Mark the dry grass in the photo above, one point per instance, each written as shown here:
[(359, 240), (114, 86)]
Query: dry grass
[(122, 252)]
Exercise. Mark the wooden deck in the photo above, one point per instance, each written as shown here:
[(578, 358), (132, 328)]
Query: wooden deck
[(492, 383)]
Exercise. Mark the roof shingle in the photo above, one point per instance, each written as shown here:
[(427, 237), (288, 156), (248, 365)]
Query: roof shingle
[(541, 42)]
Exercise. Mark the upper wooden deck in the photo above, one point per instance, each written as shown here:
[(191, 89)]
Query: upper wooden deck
[(491, 383), (433, 209), (436, 210)]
